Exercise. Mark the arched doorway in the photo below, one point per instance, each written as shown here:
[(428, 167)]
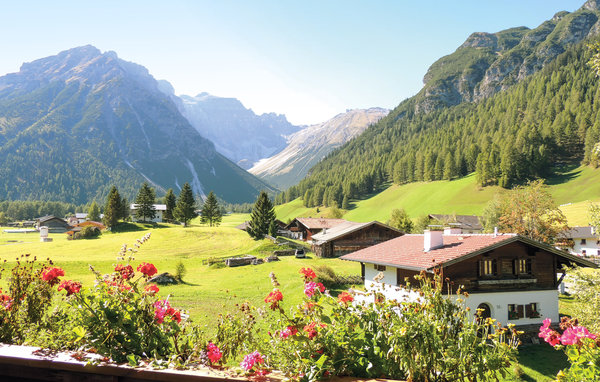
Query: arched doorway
[(485, 311)]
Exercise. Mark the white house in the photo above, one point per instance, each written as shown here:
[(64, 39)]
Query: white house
[(159, 210), (511, 278), (585, 241)]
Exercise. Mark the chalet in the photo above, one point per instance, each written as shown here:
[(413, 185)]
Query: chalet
[(53, 223), (351, 236), (304, 228), (88, 223), (583, 240), (466, 223), (511, 278), (159, 210)]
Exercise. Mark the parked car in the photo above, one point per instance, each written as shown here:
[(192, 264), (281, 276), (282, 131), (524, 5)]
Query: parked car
[(300, 254)]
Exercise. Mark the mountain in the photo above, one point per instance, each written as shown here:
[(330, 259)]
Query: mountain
[(237, 132), (308, 146), (73, 124), (521, 128), (487, 63)]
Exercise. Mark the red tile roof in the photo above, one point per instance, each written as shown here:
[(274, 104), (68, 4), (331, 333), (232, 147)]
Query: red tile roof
[(407, 251)]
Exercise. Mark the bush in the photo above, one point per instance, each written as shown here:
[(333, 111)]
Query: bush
[(326, 275), (180, 271)]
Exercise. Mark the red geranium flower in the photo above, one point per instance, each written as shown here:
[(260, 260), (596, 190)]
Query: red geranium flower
[(126, 271), (345, 298), (162, 308), (213, 353), (151, 289), (51, 275), (70, 286), (308, 273), (147, 269), (310, 288), (311, 330), (5, 301), (273, 298), (289, 331)]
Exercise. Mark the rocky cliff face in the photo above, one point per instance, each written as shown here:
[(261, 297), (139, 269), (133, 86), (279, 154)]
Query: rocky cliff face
[(487, 63), (306, 147)]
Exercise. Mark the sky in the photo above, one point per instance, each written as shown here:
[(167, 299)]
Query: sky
[(307, 59)]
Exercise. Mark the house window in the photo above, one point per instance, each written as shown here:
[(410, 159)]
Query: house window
[(523, 266), (515, 311), (583, 241), (380, 268), (583, 252), (531, 310), (487, 268)]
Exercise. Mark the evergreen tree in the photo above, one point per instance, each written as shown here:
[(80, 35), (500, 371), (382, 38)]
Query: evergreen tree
[(145, 203), (262, 217), (346, 203), (211, 213), (94, 212), (112, 209), (170, 201), (185, 209), (125, 208), (401, 220)]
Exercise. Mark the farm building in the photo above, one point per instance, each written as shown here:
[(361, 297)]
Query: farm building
[(159, 210), (53, 223), (584, 241), (305, 228), (513, 279), (351, 236)]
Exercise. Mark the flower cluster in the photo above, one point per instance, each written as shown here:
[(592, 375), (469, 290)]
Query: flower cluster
[(572, 334), (5, 301), (151, 289), (213, 353), (311, 329), (126, 271), (311, 287), (251, 360), (162, 308), (70, 286), (345, 298), (147, 269), (289, 331), (51, 275), (273, 298), (308, 273)]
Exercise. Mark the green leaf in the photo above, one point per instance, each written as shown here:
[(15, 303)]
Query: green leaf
[(133, 359), (79, 332), (321, 361)]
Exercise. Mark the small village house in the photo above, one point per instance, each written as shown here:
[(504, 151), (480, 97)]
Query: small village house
[(513, 279), (159, 210), (53, 223), (351, 236), (584, 241), (305, 228), (466, 223)]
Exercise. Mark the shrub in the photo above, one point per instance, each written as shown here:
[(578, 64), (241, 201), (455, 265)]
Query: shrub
[(180, 271), (326, 275)]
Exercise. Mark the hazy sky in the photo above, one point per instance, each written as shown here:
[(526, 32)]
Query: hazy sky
[(309, 60)]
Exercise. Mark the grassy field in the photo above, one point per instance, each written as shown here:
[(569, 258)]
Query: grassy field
[(206, 289), (574, 190)]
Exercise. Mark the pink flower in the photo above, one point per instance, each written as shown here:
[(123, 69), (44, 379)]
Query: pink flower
[(71, 287), (273, 298), (251, 360), (147, 269), (311, 287), (289, 331), (308, 273), (213, 352), (51, 275), (573, 336), (162, 308)]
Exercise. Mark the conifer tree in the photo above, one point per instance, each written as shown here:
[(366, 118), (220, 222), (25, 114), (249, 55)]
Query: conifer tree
[(346, 203), (185, 209), (171, 202), (94, 212), (113, 208), (124, 211), (262, 217), (211, 213), (145, 203), (401, 220)]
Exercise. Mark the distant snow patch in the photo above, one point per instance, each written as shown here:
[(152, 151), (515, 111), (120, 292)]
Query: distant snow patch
[(196, 185)]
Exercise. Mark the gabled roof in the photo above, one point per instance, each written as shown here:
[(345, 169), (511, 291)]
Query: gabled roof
[(318, 223), (580, 233), (46, 218), (344, 229), (157, 207), (407, 252), (81, 215), (465, 221)]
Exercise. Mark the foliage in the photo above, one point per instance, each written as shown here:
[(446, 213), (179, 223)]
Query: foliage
[(262, 217), (113, 208), (594, 217), (88, 232), (580, 346), (421, 224), (211, 213), (29, 209), (145, 203), (94, 212), (170, 202), (180, 271), (3, 218), (401, 220), (490, 217), (584, 285), (185, 209)]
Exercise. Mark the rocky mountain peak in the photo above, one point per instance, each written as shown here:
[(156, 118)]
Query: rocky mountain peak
[(481, 40), (592, 5)]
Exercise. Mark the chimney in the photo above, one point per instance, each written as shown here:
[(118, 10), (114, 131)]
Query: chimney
[(433, 240), (495, 231), (452, 230)]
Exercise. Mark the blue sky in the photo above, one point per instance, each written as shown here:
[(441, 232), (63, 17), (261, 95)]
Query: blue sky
[(309, 60)]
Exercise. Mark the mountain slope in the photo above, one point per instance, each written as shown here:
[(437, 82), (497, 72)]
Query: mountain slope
[(237, 132), (73, 124), (308, 146)]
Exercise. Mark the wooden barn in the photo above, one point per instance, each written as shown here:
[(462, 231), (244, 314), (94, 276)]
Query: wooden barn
[(53, 223), (305, 228), (351, 236)]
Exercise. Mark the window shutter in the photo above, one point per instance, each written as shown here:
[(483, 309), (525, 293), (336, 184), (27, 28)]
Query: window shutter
[(515, 266), (529, 266), (528, 310), (520, 310), (495, 267), (479, 268)]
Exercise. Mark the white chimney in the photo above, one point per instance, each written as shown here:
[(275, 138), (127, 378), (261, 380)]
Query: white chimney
[(495, 231), (433, 240), (452, 230)]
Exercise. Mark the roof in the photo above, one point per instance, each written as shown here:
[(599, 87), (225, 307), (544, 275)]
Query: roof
[(580, 233), (157, 207), (407, 252), (91, 223), (319, 223), (344, 229), (465, 221), (81, 215), (46, 218)]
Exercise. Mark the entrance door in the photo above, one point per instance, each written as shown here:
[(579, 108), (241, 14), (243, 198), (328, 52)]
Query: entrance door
[(486, 311)]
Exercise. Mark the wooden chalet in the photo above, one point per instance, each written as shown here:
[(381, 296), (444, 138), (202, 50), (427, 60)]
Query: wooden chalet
[(351, 236), (53, 223), (510, 277), (305, 228)]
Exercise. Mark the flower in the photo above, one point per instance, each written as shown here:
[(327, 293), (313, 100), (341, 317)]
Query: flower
[(213, 352), (549, 335), (147, 269), (51, 275), (311, 330), (252, 359), (273, 298), (162, 308), (309, 305), (289, 331), (126, 272), (308, 273), (311, 287), (5, 301), (345, 298), (151, 289), (572, 336), (70, 286)]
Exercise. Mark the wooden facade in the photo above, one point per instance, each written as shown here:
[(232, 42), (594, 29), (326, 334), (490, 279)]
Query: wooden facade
[(368, 235)]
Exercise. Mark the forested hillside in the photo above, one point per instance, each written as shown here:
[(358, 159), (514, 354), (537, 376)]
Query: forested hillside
[(530, 130)]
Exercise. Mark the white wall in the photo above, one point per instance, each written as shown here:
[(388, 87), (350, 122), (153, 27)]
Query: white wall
[(591, 247), (158, 216)]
